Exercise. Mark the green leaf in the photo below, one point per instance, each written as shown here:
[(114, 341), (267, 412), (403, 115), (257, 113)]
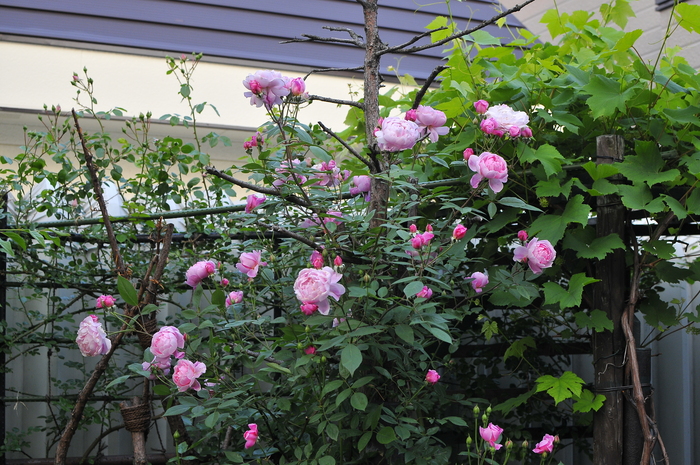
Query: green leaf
[(19, 240), (161, 390), (598, 248), (546, 154), (7, 248), (177, 410), (440, 334), (598, 320), (364, 440), (331, 386), (510, 404), (661, 249), (212, 419), (588, 401), (517, 203), (127, 291), (518, 348), (351, 358), (688, 16), (405, 332), (279, 368), (657, 313), (554, 293), (482, 37), (458, 421), (327, 460), (332, 431), (568, 385), (120, 380), (606, 96), (413, 288), (359, 401), (386, 435), (646, 166), (552, 227), (234, 457)]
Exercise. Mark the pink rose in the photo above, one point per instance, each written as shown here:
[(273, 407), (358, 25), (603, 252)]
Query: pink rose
[(253, 202), (522, 235), (284, 173), (481, 106), (459, 232), (396, 134), (508, 121), (255, 141), (266, 88), (410, 115), (432, 377), (105, 301), (536, 253), (316, 286), (489, 166), (432, 121), (297, 87), (329, 174), (308, 308), (425, 293), (167, 341), (479, 281), (420, 240), (413, 229), (224, 282), (362, 184), (491, 434), (199, 271), (92, 339), (468, 152), (337, 261), (251, 436), (249, 262), (311, 350), (234, 297), (316, 259), (490, 126), (526, 132), (545, 445), (186, 374)]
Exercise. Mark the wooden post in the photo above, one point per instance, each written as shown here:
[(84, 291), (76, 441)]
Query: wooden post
[(610, 294)]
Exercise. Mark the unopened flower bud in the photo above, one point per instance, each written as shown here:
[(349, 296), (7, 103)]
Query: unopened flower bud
[(484, 419), (323, 359), (477, 410), (337, 261), (526, 444), (300, 346), (469, 440), (509, 444), (366, 278), (307, 330), (488, 410)]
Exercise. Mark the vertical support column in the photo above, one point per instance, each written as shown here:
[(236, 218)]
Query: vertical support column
[(610, 293), (3, 318)]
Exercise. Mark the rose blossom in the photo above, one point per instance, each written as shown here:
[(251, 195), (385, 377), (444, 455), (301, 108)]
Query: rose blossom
[(507, 120), (249, 263), (224, 282), (468, 152), (199, 271), (167, 341), (311, 350), (396, 134), (481, 106), (297, 86), (331, 217), (105, 301), (255, 140), (432, 377), (432, 121), (186, 374), (329, 174), (413, 229), (488, 166), (479, 281), (420, 240), (337, 261), (316, 286), (538, 254), (316, 259), (253, 202), (545, 445), (251, 436), (425, 293), (284, 173), (92, 339), (362, 184), (308, 308), (234, 297), (522, 235), (267, 87), (491, 434), (459, 232)]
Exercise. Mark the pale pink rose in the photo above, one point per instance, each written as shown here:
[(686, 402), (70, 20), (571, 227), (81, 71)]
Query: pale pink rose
[(489, 166), (331, 217), (522, 235), (249, 263), (468, 152), (92, 339), (481, 106), (186, 374), (490, 126), (316, 286), (234, 297), (506, 119), (329, 174), (362, 184), (432, 121), (297, 87), (285, 176), (545, 445), (311, 350), (253, 202), (425, 293), (459, 232), (167, 341), (105, 301), (479, 281), (432, 377), (491, 434), (536, 253), (199, 271), (316, 259), (251, 436), (267, 87), (397, 134)]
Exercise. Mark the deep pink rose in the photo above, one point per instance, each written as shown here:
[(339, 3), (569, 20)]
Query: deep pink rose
[(337, 261), (105, 301), (479, 281), (199, 271), (432, 377), (507, 120), (234, 297), (459, 232), (249, 262), (224, 282), (316, 259), (425, 293), (491, 434), (468, 152), (489, 166), (186, 374), (545, 445), (167, 341), (481, 106), (329, 175), (526, 132), (396, 133), (314, 286), (297, 87), (490, 126), (432, 121), (254, 141), (253, 202), (522, 235), (308, 308), (410, 115), (362, 184), (413, 229), (420, 240), (536, 253), (92, 339), (266, 88), (251, 436), (311, 350)]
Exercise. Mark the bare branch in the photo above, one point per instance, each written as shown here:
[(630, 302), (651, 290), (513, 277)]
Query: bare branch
[(413, 40), (345, 144), (357, 37), (351, 103), (262, 190), (419, 96), (313, 38), (330, 70), (284, 232)]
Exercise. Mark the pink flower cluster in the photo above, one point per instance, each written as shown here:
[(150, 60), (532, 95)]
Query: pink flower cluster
[(92, 339), (332, 216), (329, 175), (395, 133), (198, 272), (268, 87), (105, 301), (536, 253), (313, 287), (234, 297), (256, 140), (502, 120), (249, 263), (285, 175), (488, 166), (430, 120), (165, 344), (316, 259)]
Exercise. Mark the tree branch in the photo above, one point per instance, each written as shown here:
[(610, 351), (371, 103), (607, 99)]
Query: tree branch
[(328, 70), (263, 190), (345, 144), (351, 103), (313, 38), (284, 232), (421, 93), (415, 39)]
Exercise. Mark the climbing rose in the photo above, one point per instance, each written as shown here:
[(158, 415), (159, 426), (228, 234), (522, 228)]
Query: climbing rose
[(251, 436), (361, 185), (489, 166), (432, 377), (397, 134), (316, 259), (432, 121), (507, 121), (459, 232), (253, 202), (308, 308), (311, 350), (481, 106), (522, 235), (234, 297), (491, 434), (249, 263), (224, 282), (545, 445), (199, 271), (468, 152), (316, 286), (255, 140), (479, 281), (536, 253), (425, 293), (167, 341), (267, 87), (92, 339), (297, 86), (337, 261), (186, 374), (105, 301)]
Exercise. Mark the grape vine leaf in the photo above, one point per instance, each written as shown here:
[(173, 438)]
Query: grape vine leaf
[(568, 385)]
